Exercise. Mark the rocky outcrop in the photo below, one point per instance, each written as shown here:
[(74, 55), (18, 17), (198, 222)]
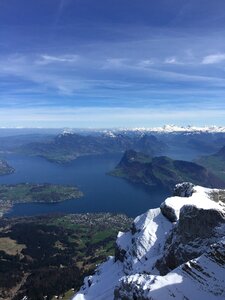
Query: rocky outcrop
[(185, 189), (196, 230), (176, 251), (200, 278)]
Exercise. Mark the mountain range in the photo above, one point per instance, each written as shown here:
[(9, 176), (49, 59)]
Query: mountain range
[(68, 146)]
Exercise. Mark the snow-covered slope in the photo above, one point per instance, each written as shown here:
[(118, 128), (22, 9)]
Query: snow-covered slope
[(168, 252), (198, 279)]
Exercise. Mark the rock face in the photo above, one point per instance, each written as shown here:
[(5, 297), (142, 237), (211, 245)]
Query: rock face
[(177, 251), (200, 278), (192, 235), (184, 189)]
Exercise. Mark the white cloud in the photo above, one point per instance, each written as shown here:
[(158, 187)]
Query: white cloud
[(213, 59), (171, 60), (47, 59)]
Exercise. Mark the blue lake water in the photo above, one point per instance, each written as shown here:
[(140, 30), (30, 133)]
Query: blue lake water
[(102, 193)]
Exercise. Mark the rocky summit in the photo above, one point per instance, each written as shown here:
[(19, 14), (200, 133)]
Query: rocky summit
[(176, 251)]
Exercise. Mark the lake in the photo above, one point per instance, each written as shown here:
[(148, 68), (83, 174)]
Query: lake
[(102, 193)]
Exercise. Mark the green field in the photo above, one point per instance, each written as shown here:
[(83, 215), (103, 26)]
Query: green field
[(50, 256), (41, 193)]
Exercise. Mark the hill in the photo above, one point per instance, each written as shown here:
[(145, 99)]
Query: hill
[(163, 171)]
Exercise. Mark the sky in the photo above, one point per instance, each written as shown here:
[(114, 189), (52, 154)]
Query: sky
[(112, 63)]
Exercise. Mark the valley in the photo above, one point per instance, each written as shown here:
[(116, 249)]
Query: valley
[(49, 256)]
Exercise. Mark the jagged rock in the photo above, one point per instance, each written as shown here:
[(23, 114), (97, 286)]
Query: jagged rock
[(168, 212), (193, 234), (200, 278), (155, 246), (184, 189)]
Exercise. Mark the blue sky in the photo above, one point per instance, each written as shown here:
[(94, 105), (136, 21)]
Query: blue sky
[(112, 63)]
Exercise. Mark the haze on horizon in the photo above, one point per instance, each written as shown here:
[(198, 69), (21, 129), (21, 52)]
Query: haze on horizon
[(104, 63)]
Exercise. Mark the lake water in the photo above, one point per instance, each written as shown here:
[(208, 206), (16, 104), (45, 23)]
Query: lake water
[(102, 193)]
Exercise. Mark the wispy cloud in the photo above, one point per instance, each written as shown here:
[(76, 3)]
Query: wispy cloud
[(213, 59), (171, 60), (139, 65), (48, 59)]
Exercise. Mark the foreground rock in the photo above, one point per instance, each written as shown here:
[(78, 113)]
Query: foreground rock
[(165, 258)]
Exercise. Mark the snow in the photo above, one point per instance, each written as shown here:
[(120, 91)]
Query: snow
[(67, 131), (186, 129), (123, 240), (200, 198), (165, 129), (146, 244), (102, 283), (201, 278)]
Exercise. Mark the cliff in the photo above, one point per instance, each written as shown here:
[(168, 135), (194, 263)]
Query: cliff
[(175, 251)]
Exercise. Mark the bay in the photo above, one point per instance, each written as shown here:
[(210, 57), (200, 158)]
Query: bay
[(102, 193)]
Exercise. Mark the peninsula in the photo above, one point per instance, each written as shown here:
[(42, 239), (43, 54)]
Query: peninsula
[(39, 193), (163, 171)]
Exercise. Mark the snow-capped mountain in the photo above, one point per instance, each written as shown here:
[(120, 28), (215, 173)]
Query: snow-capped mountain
[(181, 129), (163, 129), (175, 251), (189, 128)]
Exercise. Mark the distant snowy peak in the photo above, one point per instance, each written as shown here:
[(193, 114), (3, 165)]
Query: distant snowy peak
[(67, 131), (109, 134), (166, 129), (183, 129)]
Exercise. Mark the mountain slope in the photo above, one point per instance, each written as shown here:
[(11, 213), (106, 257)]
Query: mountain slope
[(150, 264), (215, 163), (163, 171)]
